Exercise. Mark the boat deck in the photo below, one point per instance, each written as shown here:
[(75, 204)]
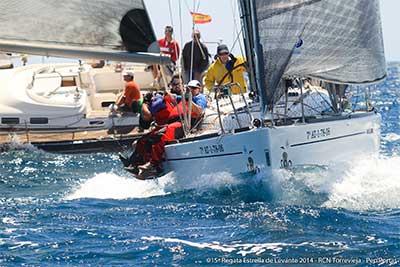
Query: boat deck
[(69, 142)]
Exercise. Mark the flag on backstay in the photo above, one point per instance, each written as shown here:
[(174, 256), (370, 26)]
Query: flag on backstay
[(199, 18)]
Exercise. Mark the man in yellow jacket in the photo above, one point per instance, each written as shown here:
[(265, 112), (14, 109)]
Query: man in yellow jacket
[(226, 69)]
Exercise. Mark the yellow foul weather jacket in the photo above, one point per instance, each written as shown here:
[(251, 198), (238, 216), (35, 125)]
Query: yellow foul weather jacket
[(217, 74)]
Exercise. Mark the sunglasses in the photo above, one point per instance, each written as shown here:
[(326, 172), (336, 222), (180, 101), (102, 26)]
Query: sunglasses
[(223, 54), (192, 87), (175, 84)]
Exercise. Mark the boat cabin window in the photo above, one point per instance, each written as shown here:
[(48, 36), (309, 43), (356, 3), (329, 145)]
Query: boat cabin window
[(39, 120), (106, 104), (68, 81), (96, 122), (10, 120), (292, 94)]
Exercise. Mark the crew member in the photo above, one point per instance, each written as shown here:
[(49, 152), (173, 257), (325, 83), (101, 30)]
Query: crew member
[(131, 98), (226, 69), (194, 62), (168, 46)]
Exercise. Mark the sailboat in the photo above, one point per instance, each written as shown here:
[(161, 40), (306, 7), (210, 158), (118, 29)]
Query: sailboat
[(334, 43), (60, 98), (289, 43)]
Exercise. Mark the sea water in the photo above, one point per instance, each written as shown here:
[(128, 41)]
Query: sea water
[(71, 210)]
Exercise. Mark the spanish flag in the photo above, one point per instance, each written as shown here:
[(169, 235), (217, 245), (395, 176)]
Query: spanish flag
[(199, 18)]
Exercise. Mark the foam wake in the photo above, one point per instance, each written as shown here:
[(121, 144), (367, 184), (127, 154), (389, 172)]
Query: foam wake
[(246, 249), (391, 137), (366, 184), (113, 186), (370, 184)]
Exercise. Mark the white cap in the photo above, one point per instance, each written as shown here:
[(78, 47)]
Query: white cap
[(194, 83), (129, 73)]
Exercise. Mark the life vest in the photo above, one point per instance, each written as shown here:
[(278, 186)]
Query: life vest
[(166, 110), (162, 108), (179, 111)]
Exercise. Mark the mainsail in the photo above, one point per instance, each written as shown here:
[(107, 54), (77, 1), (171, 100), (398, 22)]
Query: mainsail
[(333, 40), (103, 28)]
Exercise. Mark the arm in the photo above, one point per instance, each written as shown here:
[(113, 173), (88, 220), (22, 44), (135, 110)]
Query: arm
[(209, 80), (199, 104), (196, 109), (146, 112), (185, 56), (120, 99), (177, 50)]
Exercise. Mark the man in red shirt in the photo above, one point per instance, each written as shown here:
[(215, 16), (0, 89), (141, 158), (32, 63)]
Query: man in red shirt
[(168, 46), (131, 98)]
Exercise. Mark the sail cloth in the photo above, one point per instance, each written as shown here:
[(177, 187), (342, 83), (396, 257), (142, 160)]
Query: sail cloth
[(98, 26), (333, 40)]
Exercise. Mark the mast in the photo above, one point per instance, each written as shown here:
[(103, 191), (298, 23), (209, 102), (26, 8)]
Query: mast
[(254, 50)]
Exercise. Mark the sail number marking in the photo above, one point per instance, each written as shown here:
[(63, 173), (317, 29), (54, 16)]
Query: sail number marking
[(212, 149), (318, 133)]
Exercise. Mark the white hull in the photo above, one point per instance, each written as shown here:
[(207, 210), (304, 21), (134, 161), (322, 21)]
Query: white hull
[(266, 149), (64, 97)]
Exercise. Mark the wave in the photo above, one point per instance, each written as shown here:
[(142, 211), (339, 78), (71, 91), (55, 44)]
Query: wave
[(16, 144), (360, 185), (248, 248), (369, 184), (113, 186), (391, 137)]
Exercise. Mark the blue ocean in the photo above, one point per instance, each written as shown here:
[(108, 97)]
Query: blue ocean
[(84, 210)]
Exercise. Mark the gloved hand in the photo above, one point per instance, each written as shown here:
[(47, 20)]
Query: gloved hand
[(187, 96)]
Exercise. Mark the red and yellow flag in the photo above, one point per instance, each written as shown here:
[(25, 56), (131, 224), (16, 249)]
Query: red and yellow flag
[(199, 18)]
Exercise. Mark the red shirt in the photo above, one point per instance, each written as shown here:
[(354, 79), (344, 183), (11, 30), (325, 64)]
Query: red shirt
[(132, 92), (169, 48)]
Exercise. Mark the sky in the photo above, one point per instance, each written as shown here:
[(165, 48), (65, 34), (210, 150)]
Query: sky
[(390, 24), (224, 14)]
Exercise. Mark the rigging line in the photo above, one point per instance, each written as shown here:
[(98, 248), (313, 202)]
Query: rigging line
[(237, 40), (173, 26), (235, 24), (181, 35), (187, 6), (198, 6), (185, 123), (192, 46), (170, 13)]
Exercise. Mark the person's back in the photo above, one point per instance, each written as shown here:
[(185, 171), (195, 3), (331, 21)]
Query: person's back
[(199, 58)]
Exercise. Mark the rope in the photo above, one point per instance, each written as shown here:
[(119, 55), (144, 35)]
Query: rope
[(238, 33)]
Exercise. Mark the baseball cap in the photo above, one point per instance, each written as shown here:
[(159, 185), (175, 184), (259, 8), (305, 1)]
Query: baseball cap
[(222, 49), (129, 73), (194, 83)]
